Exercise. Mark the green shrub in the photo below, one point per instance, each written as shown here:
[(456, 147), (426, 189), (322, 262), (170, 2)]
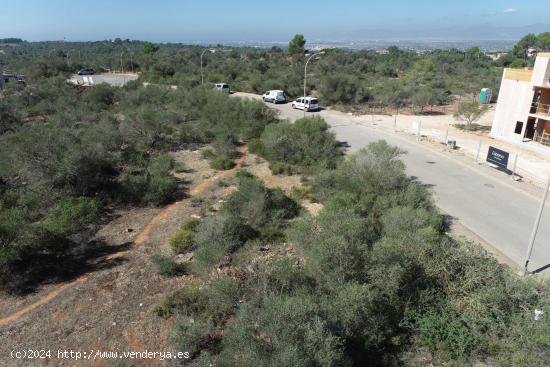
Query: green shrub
[(134, 187), (213, 302), (280, 168), (258, 205), (375, 169), (448, 331), (166, 266), (356, 311), (335, 243), (147, 189), (293, 333), (301, 193), (305, 143), (405, 220), (102, 95), (183, 239), (222, 163), (284, 276), (208, 153), (183, 301), (71, 214), (217, 237), (161, 165), (256, 146), (225, 146), (192, 336), (191, 224), (223, 183), (161, 190)]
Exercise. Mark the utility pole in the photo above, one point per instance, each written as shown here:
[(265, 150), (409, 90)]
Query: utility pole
[(536, 227), (305, 76)]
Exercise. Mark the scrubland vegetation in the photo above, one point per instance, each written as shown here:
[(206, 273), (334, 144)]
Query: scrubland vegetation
[(68, 156), (397, 78), (373, 279)]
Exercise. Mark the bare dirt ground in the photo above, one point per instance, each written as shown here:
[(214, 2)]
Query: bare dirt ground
[(110, 309)]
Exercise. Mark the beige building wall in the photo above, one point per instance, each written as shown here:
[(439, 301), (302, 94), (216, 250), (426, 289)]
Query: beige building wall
[(541, 71), (514, 101)]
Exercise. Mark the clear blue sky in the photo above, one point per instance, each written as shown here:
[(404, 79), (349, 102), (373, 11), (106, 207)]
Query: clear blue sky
[(188, 20)]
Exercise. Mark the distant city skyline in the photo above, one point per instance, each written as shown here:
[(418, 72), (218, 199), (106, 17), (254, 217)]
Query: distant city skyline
[(223, 21)]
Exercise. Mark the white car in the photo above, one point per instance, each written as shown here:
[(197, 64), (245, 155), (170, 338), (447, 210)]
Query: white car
[(222, 87), (274, 96), (306, 103)]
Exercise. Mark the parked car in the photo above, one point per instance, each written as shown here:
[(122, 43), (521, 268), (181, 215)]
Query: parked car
[(86, 72), (222, 87), (274, 96), (306, 103)]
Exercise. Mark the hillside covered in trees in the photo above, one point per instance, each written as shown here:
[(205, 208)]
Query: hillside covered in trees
[(396, 78)]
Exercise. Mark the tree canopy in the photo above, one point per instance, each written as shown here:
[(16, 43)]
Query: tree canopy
[(297, 45)]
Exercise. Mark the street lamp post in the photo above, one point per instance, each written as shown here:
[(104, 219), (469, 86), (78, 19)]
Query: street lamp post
[(305, 74), (536, 227), (202, 70)]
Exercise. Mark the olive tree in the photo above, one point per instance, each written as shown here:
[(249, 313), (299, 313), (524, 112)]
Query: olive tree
[(470, 112)]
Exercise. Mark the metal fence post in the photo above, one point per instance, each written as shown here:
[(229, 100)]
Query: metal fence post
[(478, 151), (514, 176), (419, 128)]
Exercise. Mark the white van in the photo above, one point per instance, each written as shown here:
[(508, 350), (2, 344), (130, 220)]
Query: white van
[(222, 87), (274, 96), (306, 103)]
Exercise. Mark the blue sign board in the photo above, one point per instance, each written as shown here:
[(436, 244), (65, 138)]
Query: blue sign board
[(498, 157)]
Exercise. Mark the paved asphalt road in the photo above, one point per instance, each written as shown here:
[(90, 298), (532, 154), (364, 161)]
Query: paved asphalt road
[(117, 80), (488, 203)]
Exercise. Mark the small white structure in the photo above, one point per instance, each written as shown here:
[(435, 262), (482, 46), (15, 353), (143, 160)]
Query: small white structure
[(523, 106)]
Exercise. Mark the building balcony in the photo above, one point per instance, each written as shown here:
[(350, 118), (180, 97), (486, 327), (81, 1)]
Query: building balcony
[(540, 109)]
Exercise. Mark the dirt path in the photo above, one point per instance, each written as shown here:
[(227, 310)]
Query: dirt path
[(141, 238)]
